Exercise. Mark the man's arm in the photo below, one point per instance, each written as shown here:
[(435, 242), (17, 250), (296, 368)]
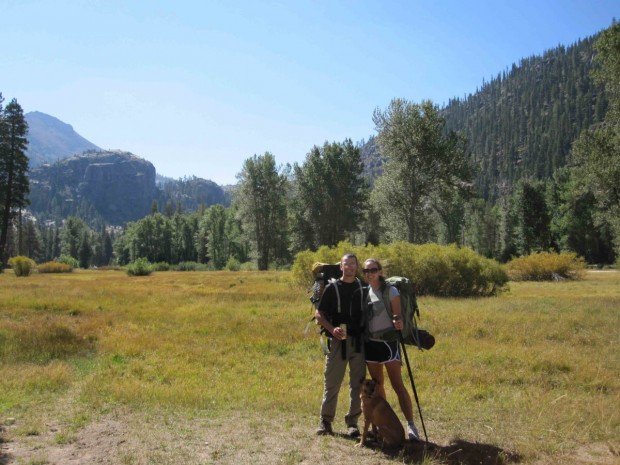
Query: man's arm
[(326, 301)]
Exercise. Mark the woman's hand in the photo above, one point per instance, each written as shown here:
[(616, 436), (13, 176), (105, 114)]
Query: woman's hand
[(397, 317)]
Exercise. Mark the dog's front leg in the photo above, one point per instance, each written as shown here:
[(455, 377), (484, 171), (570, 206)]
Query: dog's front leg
[(364, 433)]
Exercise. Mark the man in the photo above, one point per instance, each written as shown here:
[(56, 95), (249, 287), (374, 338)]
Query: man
[(342, 304)]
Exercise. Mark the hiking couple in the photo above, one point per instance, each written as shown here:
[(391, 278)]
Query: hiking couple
[(361, 322)]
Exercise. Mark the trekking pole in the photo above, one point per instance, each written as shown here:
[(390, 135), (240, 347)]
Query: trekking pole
[(415, 392)]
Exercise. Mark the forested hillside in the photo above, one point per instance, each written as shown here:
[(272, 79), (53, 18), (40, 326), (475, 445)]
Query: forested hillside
[(523, 121)]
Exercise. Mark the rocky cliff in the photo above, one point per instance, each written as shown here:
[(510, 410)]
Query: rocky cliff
[(114, 186)]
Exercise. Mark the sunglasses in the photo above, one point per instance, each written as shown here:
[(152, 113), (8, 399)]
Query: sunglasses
[(370, 270)]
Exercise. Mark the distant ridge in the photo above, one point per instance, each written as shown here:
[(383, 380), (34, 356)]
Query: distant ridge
[(50, 140)]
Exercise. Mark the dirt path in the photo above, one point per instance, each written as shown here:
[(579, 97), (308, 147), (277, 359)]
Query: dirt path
[(127, 438)]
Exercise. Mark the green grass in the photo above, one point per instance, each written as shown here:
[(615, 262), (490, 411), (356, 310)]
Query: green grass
[(535, 369)]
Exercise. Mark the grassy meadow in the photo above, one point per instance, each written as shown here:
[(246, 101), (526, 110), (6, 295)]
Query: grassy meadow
[(534, 371)]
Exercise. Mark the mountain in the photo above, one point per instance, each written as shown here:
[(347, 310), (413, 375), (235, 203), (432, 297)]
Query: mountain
[(192, 192), (522, 122), (112, 187), (50, 140)]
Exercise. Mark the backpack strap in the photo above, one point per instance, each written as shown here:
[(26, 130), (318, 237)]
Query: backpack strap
[(361, 289), (334, 282), (385, 292)]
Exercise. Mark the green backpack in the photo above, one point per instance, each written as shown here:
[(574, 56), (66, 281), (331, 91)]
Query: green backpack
[(412, 335)]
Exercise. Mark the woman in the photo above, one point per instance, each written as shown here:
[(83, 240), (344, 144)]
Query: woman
[(382, 349)]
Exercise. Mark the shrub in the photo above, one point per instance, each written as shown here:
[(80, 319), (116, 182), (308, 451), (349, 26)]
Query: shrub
[(248, 266), (233, 264), (54, 267), (22, 266), (434, 269), (161, 266), (69, 260), (139, 267), (546, 266), (191, 266)]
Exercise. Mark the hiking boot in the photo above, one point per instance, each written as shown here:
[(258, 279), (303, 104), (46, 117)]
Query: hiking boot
[(325, 427), (353, 431), (412, 432)]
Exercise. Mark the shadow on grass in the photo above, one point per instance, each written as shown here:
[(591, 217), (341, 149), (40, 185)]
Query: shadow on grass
[(4, 456), (458, 452)]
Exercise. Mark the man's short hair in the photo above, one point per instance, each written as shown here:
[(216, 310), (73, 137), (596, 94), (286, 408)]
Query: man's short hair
[(349, 255)]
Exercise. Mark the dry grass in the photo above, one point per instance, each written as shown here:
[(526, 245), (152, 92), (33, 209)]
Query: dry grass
[(534, 371)]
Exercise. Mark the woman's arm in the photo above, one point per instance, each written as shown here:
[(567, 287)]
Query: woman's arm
[(397, 318)]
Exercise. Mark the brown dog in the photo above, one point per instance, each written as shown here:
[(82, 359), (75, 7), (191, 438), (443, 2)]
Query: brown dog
[(377, 411)]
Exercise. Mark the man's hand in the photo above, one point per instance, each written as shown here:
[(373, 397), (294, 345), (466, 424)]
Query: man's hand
[(338, 333)]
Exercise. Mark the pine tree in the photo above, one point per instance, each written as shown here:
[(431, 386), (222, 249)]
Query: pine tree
[(85, 252), (14, 186), (534, 223)]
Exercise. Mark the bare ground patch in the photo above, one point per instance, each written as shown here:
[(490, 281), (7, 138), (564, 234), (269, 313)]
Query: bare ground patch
[(126, 438), (123, 437)]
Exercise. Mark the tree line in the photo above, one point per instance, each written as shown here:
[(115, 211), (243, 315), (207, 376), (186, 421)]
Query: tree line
[(426, 192)]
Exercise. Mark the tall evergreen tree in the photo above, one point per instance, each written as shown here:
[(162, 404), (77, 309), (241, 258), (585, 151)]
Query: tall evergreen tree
[(14, 186), (71, 237), (85, 251), (533, 218), (106, 248)]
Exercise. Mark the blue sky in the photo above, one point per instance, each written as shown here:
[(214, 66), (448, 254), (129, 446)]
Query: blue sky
[(196, 87)]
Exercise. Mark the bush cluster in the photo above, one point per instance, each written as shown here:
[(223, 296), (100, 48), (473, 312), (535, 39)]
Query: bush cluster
[(546, 266), (192, 266), (139, 267), (54, 267), (69, 260), (248, 266), (160, 266), (22, 266), (434, 269), (233, 264)]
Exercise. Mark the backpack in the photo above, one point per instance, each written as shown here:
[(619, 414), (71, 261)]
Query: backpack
[(324, 275), (412, 335)]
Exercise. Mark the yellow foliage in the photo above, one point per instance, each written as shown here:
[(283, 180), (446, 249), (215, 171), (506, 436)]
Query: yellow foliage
[(434, 269), (22, 266), (547, 266), (54, 267)]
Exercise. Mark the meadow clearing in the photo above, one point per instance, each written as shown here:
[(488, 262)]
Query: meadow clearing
[(214, 367)]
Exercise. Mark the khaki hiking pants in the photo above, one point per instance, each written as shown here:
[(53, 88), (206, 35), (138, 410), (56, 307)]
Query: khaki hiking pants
[(335, 368)]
